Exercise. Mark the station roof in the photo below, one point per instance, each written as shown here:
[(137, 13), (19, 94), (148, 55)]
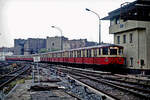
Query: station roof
[(137, 10)]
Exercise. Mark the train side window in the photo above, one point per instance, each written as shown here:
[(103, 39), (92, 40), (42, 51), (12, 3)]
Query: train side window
[(105, 51), (113, 51), (89, 52), (56, 55), (75, 55), (61, 54), (71, 53), (99, 51), (83, 53), (79, 53), (95, 52)]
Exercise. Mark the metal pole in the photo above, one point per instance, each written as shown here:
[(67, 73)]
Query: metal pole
[(33, 75), (61, 38), (99, 23), (38, 73), (99, 31)]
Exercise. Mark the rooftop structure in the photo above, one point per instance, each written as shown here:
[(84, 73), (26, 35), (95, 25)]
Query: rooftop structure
[(137, 10)]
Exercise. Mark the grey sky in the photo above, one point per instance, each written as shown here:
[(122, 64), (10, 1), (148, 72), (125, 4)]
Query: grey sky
[(34, 18)]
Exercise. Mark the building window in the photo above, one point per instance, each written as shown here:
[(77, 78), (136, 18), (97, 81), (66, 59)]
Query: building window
[(124, 38), (99, 51), (131, 38), (118, 39), (117, 21), (95, 52), (131, 61), (53, 44)]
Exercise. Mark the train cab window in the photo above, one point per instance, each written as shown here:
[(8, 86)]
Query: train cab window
[(113, 51), (105, 51)]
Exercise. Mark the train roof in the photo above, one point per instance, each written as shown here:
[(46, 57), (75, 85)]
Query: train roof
[(97, 46)]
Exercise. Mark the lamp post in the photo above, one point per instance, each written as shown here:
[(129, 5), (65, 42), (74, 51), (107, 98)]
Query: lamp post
[(60, 37), (98, 21)]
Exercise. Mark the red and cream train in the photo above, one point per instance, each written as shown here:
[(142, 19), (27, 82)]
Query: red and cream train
[(107, 55)]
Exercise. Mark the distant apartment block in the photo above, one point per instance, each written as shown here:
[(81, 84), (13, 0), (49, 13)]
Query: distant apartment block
[(19, 46), (34, 45), (54, 43), (5, 51)]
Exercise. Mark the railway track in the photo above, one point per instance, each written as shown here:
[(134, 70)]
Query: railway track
[(116, 89), (7, 78)]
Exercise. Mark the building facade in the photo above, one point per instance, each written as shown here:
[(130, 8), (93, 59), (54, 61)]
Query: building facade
[(5, 51), (130, 25), (19, 46), (54, 43), (57, 43), (34, 45)]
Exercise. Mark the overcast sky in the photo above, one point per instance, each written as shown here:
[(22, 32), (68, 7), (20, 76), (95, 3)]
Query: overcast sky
[(34, 18)]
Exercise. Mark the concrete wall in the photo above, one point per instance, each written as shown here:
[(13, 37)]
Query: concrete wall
[(148, 45)]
